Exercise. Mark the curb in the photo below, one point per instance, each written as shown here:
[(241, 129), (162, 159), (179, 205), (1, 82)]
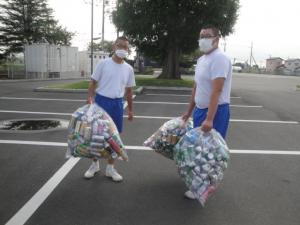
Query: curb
[(37, 80), (59, 90), (168, 88)]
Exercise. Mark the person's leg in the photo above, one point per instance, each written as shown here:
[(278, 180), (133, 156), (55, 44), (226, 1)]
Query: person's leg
[(117, 116), (93, 169), (199, 116), (221, 120)]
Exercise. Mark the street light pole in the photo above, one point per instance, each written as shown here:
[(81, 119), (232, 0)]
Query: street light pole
[(92, 31)]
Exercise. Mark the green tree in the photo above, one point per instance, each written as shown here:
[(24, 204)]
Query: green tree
[(106, 46), (28, 21), (164, 30)]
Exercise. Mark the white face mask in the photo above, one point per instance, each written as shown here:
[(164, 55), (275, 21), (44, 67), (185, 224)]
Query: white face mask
[(205, 44), (121, 53)]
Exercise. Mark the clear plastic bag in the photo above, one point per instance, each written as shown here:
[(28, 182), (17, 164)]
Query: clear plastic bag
[(167, 136), (93, 134), (201, 159)]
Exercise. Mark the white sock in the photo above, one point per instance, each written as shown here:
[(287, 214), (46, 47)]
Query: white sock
[(110, 166)]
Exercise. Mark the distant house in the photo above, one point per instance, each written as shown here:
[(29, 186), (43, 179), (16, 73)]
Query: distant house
[(292, 64), (272, 64)]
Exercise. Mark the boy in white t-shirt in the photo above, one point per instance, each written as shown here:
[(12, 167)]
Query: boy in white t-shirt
[(115, 79), (211, 93)]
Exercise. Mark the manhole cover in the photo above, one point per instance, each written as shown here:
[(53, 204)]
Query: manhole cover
[(33, 124)]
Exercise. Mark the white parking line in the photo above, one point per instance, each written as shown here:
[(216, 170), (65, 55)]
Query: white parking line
[(34, 203), (48, 99), (231, 120), (143, 148), (168, 95), (152, 117), (44, 99), (186, 103), (179, 95), (39, 113), (136, 102)]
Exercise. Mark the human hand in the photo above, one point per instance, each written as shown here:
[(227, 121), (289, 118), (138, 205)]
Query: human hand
[(89, 100), (207, 125), (130, 115), (185, 117)]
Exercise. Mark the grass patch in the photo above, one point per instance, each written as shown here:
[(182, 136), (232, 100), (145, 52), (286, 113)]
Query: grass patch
[(140, 81), (298, 86)]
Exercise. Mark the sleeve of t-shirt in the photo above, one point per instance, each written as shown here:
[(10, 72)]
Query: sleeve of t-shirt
[(196, 71), (97, 74), (131, 79), (219, 67)]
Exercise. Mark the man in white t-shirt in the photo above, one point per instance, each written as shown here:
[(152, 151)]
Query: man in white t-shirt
[(211, 93), (115, 79)]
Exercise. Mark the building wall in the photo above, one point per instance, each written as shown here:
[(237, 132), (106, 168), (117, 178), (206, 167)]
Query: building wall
[(292, 64), (85, 61), (273, 64), (51, 61)]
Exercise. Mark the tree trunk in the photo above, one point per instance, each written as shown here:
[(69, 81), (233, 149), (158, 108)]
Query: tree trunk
[(171, 65)]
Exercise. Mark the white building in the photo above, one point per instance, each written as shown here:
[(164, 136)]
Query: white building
[(51, 61), (85, 61), (292, 64)]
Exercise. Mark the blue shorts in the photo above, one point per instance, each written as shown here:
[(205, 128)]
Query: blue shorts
[(221, 120), (114, 108)]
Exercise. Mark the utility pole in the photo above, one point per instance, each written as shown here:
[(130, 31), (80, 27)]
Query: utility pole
[(117, 11), (103, 20), (92, 33), (251, 56), (224, 44)]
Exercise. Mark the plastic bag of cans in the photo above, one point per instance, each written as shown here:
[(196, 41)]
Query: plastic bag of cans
[(201, 159), (93, 134), (167, 136)]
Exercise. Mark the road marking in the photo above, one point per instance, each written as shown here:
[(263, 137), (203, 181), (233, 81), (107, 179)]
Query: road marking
[(264, 121), (136, 102), (185, 103), (48, 99), (34, 203), (143, 148), (41, 143), (231, 120), (30, 112), (153, 117), (178, 95), (44, 99), (168, 95)]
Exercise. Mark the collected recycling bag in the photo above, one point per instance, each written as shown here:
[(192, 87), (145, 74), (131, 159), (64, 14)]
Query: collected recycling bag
[(93, 134), (167, 136), (201, 159)]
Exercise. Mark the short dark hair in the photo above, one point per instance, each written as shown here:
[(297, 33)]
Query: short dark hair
[(214, 29), (122, 38)]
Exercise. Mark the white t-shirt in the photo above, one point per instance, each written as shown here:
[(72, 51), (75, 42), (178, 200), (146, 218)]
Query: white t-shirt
[(113, 78), (209, 67)]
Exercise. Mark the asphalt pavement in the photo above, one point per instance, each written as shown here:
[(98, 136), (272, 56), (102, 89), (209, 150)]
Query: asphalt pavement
[(261, 185)]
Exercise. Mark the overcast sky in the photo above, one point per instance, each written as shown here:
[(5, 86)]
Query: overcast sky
[(272, 26)]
